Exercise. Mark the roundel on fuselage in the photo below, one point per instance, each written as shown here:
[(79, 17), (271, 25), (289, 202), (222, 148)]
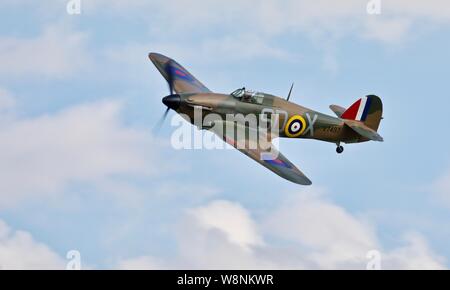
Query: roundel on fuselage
[(295, 126)]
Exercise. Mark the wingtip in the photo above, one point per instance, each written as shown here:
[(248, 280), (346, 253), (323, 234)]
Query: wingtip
[(158, 58), (152, 55), (307, 183), (304, 183), (302, 180)]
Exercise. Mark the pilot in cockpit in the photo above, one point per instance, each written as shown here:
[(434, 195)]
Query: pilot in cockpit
[(247, 96), (242, 94)]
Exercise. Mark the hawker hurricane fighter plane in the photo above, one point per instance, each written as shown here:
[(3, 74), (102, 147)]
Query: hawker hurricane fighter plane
[(358, 123)]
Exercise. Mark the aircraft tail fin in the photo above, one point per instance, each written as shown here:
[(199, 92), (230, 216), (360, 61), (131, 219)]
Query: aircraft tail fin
[(368, 110)]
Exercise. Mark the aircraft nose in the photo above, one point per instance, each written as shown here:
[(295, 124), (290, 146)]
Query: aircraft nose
[(172, 101)]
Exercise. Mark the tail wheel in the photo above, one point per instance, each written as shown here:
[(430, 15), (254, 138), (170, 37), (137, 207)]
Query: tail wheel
[(339, 149)]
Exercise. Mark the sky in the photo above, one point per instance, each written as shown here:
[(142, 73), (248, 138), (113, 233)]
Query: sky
[(82, 170)]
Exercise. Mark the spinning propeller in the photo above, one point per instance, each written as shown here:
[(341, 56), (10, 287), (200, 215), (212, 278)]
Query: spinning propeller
[(172, 101)]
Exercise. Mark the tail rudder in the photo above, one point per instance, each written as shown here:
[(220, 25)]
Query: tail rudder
[(368, 110)]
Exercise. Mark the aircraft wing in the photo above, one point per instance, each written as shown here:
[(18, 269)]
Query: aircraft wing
[(363, 130), (261, 150), (182, 80)]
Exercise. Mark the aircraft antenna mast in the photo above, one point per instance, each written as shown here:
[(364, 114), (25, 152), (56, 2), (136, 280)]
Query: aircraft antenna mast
[(290, 91)]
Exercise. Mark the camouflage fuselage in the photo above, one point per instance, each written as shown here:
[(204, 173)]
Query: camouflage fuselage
[(310, 124)]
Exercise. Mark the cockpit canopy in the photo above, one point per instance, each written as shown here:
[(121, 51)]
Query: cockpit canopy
[(248, 96)]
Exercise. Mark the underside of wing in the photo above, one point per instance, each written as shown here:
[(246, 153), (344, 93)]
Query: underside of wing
[(259, 149), (363, 130), (181, 80)]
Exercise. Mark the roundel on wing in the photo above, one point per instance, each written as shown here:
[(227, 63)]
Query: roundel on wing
[(295, 126)]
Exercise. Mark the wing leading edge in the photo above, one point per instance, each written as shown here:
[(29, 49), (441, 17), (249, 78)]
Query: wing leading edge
[(264, 153), (182, 80)]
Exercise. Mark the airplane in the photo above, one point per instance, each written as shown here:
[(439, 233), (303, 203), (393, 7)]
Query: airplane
[(358, 123)]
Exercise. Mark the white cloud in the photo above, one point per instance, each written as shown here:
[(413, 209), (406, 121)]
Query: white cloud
[(248, 29), (391, 31), (244, 30), (55, 53), (432, 10), (229, 48), (332, 236), (276, 17), (18, 250), (86, 143), (414, 255), (221, 234), (232, 219), (308, 232), (7, 101), (244, 47)]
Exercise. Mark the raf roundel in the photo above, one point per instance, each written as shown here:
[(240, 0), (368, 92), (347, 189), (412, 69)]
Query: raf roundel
[(295, 126)]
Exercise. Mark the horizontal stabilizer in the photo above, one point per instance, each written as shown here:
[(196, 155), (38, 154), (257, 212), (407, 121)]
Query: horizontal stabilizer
[(363, 130), (338, 110)]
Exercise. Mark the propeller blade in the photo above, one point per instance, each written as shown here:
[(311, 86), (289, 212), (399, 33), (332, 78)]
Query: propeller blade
[(161, 121), (290, 91)]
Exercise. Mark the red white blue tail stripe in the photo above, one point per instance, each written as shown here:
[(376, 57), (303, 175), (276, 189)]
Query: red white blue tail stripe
[(359, 110)]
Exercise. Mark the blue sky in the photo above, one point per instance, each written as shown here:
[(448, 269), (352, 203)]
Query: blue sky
[(81, 169)]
